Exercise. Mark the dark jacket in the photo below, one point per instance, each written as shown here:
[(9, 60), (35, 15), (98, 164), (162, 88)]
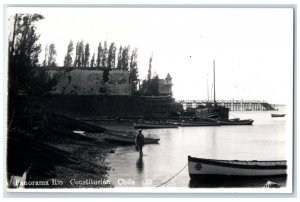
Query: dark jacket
[(140, 139)]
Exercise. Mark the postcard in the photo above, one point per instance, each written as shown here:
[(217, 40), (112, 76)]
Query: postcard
[(150, 99)]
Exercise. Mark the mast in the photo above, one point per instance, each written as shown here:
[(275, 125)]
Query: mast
[(214, 85), (207, 88)]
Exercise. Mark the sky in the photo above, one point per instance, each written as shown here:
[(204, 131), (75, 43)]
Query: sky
[(252, 47)]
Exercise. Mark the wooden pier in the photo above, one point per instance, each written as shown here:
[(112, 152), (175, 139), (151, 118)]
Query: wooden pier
[(233, 105)]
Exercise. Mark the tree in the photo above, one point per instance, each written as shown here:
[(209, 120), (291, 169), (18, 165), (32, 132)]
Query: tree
[(133, 60), (76, 61), (52, 56), (150, 87), (104, 56), (79, 58), (24, 51), (81, 53), (111, 56), (133, 69), (86, 55), (92, 64), (68, 58), (125, 58), (150, 68), (46, 56), (119, 66), (99, 55), (153, 87), (25, 77)]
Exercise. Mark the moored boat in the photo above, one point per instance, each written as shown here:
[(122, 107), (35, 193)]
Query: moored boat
[(145, 125), (199, 167), (199, 123), (212, 111), (236, 122), (127, 139), (277, 115)]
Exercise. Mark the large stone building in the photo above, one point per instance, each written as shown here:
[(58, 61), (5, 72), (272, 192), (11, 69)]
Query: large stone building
[(89, 81), (100, 92)]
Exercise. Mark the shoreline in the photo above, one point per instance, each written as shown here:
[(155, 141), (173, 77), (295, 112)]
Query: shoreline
[(58, 161)]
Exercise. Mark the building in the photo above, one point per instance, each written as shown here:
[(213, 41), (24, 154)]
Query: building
[(91, 81), (165, 86), (101, 92)]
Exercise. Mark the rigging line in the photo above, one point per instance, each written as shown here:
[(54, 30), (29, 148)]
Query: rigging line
[(173, 176)]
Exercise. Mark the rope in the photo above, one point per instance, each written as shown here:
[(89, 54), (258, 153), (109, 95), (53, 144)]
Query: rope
[(173, 176)]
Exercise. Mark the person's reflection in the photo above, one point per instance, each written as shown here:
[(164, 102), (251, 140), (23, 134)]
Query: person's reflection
[(140, 164)]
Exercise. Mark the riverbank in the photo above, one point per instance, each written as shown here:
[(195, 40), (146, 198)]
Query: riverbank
[(58, 161)]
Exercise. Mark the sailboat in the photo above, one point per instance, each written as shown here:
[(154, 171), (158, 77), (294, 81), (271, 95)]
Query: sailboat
[(212, 110)]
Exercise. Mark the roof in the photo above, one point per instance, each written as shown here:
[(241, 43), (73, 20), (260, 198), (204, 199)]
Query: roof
[(168, 76)]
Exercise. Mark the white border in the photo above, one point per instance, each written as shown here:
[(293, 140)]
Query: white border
[(134, 190)]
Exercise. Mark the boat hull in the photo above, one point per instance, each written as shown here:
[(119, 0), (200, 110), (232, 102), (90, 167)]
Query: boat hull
[(186, 124), (217, 112), (153, 126), (208, 167), (277, 115), (128, 139), (240, 122)]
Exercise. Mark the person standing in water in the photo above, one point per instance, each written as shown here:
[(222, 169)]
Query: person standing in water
[(140, 142)]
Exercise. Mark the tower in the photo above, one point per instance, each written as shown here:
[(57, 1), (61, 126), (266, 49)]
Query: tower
[(168, 84)]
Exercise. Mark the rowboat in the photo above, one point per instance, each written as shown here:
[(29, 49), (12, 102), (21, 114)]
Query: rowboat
[(199, 123), (236, 122), (126, 139), (277, 115), (153, 125), (199, 167)]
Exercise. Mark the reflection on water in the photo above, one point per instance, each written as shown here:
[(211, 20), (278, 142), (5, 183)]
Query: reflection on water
[(140, 164), (265, 140), (236, 182)]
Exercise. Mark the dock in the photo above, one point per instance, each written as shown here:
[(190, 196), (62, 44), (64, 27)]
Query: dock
[(233, 105)]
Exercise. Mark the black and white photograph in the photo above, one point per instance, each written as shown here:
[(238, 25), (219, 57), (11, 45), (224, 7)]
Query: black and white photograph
[(150, 98)]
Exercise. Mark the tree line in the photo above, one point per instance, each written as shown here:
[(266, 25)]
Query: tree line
[(106, 57)]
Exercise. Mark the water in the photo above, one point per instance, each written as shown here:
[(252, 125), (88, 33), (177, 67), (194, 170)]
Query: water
[(264, 140)]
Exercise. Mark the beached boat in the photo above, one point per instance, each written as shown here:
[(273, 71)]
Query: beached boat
[(277, 115), (127, 139), (236, 122), (199, 167), (146, 125)]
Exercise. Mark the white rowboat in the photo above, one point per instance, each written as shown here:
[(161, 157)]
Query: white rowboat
[(199, 167)]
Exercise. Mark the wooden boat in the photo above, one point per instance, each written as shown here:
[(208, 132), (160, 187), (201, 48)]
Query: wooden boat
[(213, 112), (277, 115), (236, 122), (146, 125), (126, 139), (199, 123), (199, 167)]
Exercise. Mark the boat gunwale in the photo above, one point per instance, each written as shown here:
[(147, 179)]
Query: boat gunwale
[(239, 164)]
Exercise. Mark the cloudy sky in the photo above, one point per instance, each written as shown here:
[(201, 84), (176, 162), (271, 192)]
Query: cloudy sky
[(252, 47)]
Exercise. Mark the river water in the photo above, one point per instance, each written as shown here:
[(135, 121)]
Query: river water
[(264, 140)]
